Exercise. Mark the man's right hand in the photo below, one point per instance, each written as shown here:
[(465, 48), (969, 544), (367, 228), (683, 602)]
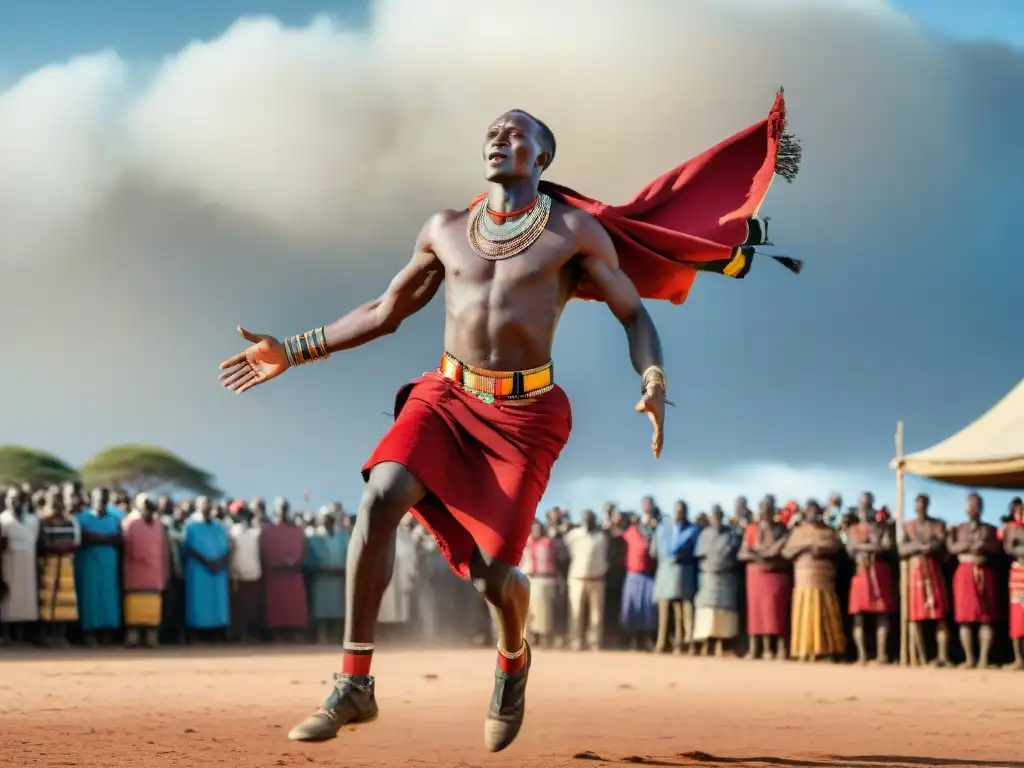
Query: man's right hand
[(261, 362)]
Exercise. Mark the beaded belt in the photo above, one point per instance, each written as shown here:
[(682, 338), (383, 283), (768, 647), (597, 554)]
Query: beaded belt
[(491, 386)]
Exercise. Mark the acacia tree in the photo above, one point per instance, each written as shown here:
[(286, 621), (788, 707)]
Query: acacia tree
[(146, 469), (37, 468)]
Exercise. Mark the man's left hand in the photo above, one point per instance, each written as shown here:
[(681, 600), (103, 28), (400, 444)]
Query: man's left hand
[(653, 404)]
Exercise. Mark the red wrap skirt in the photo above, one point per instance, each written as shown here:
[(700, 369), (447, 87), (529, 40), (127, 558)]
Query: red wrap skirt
[(768, 597), (1017, 601), (929, 597), (485, 466), (974, 594), (871, 590)]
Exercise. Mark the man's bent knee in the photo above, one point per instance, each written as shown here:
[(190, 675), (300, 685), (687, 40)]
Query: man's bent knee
[(391, 490), (497, 581)]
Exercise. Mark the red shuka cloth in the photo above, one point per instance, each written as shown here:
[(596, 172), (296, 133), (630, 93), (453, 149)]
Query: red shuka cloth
[(974, 594), (1017, 601), (485, 467), (284, 592), (768, 597), (871, 589), (694, 218), (929, 597)]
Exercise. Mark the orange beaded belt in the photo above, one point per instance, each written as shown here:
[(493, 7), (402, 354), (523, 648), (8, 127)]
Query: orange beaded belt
[(497, 386)]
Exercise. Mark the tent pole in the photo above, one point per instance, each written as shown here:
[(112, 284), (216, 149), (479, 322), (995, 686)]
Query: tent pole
[(908, 650)]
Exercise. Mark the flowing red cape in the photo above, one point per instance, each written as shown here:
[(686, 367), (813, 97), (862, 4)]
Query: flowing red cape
[(700, 216)]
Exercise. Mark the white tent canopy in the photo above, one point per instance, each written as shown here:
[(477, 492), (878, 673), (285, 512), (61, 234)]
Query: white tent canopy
[(988, 453)]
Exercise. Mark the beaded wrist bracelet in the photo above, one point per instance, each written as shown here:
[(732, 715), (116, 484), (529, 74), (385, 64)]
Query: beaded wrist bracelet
[(307, 347), (653, 375)]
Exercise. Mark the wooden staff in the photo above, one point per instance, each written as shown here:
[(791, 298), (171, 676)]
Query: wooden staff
[(908, 650)]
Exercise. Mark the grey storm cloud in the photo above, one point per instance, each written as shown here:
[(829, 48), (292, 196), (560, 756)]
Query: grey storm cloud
[(276, 176)]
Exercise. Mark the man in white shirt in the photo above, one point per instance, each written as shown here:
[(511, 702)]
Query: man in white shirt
[(246, 573), (588, 565)]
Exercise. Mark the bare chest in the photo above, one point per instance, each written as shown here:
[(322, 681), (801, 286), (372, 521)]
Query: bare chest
[(545, 262)]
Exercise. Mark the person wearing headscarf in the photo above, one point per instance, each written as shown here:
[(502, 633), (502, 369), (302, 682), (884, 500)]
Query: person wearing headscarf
[(283, 553)]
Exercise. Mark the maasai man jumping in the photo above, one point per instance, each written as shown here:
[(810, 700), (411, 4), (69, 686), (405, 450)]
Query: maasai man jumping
[(473, 443)]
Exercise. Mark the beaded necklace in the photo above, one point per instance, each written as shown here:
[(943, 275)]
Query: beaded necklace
[(495, 241)]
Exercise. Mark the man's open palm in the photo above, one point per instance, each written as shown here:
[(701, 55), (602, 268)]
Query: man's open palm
[(261, 362)]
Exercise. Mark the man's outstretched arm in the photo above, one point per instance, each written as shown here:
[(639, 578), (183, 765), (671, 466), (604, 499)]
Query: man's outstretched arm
[(601, 266), (409, 292)]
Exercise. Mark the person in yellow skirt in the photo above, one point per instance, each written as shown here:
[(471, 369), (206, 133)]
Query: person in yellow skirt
[(146, 567), (817, 622), (59, 537)]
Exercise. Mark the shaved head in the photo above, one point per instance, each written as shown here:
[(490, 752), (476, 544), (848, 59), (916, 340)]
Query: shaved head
[(544, 134)]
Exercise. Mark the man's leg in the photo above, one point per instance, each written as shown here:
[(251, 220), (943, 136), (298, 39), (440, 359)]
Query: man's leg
[(916, 633), (576, 595), (677, 620), (663, 619), (985, 637), (967, 642), (942, 642), (390, 492), (882, 638), (507, 592), (595, 614), (858, 638)]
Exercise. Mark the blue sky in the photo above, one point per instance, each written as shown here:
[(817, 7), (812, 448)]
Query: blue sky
[(977, 20), (903, 211)]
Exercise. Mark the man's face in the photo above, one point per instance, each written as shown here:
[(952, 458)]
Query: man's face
[(865, 502), (282, 511), (921, 506), (717, 515), (536, 531), (100, 499), (512, 149), (203, 507), (680, 512), (740, 506), (974, 508)]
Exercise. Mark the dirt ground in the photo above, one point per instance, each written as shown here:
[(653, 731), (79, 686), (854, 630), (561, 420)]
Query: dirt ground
[(231, 708)]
